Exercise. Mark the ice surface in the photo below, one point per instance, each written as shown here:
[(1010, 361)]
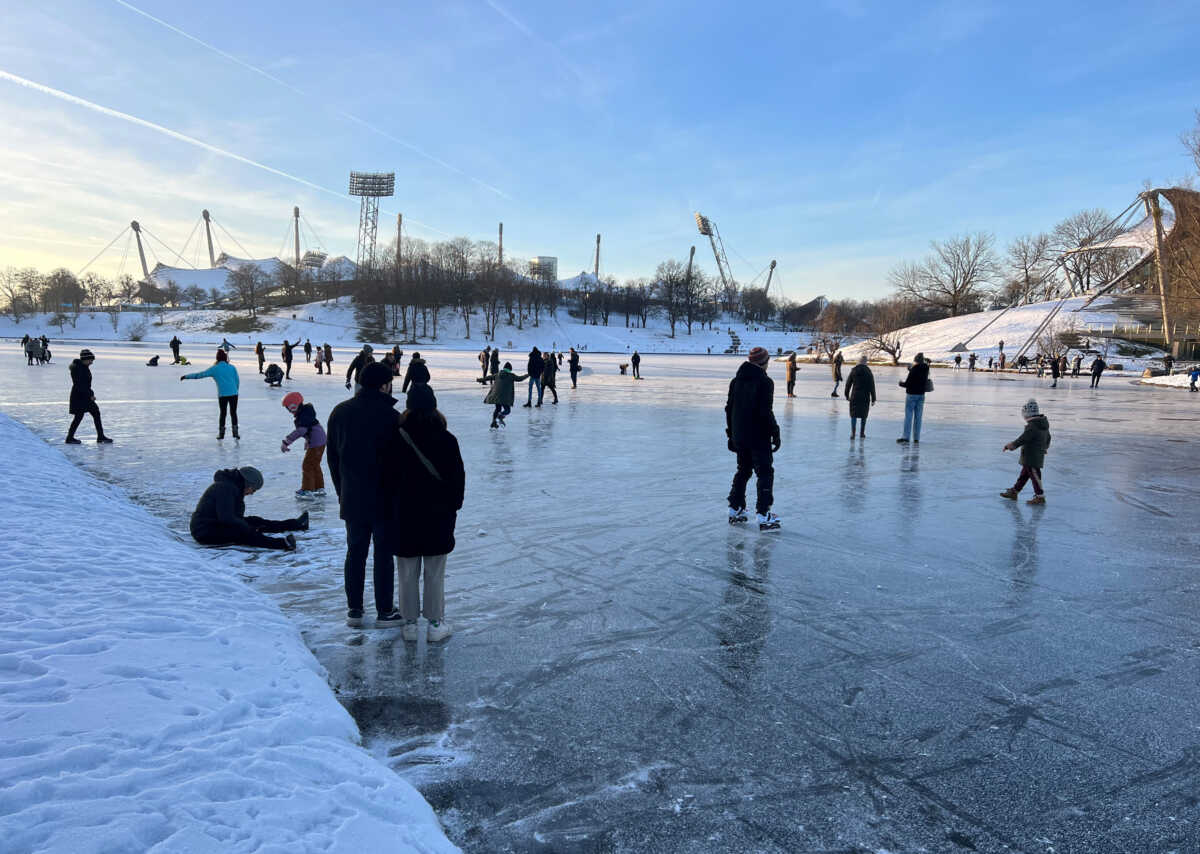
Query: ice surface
[(911, 664)]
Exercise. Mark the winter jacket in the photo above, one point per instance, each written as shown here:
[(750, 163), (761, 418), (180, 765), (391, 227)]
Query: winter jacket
[(175, 344), (425, 513), (416, 373), (536, 365), (503, 389), (789, 369), (286, 351), (549, 371), (359, 436), (307, 426), (573, 362), (221, 507), (1054, 368), (1098, 366), (1034, 441), (81, 387), (836, 365), (917, 379), (749, 421), (636, 359), (357, 364), (495, 363), (224, 373), (860, 391), (274, 374), (328, 355)]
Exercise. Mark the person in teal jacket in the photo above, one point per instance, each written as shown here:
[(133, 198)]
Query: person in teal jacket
[(226, 377)]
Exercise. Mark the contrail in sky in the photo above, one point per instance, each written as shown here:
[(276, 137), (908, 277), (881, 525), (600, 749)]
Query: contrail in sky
[(431, 158), (176, 135), (529, 33)]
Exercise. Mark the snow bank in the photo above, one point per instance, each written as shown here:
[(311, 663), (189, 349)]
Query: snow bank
[(1176, 380), (150, 701)]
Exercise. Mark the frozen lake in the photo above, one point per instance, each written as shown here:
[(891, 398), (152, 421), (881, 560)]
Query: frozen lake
[(912, 663)]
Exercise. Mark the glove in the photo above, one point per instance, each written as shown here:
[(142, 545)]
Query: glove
[(181, 379), (347, 384), (283, 446), (775, 443)]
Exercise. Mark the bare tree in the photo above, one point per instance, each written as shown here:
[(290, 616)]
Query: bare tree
[(953, 276), (1191, 141), (670, 280), (195, 296), (1029, 269), (1087, 270), (10, 290), (884, 324), (249, 282)]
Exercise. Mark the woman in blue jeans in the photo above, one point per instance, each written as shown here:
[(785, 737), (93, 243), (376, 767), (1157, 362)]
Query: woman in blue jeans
[(914, 386)]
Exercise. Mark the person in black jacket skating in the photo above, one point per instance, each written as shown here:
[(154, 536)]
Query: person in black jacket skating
[(636, 361), (1098, 366), (495, 364), (417, 372), (360, 431), (220, 516), (573, 364), (425, 458), (534, 368), (914, 386), (83, 400), (286, 352), (175, 345), (354, 371), (753, 435), (307, 350)]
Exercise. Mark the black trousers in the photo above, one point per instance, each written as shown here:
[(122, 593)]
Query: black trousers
[(78, 417), (287, 369), (228, 402), (231, 535), (261, 360), (1095, 380), (360, 536), (756, 460), (791, 387), (574, 374), (637, 374)]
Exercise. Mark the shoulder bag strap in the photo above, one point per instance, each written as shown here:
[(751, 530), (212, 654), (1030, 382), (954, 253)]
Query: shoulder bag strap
[(420, 456)]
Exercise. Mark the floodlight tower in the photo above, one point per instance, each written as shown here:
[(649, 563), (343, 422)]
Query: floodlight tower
[(709, 229), (371, 186)]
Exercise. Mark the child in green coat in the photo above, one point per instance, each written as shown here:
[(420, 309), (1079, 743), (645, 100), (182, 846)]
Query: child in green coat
[(1033, 442), (502, 393)]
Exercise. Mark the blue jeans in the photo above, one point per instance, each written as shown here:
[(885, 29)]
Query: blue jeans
[(534, 382), (914, 405)]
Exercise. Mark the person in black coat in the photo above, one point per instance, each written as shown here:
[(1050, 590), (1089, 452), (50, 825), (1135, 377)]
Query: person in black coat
[(83, 400), (354, 371), (261, 352), (1098, 366), (427, 460), (307, 350), (753, 435), (535, 366), (495, 365), (360, 432), (1054, 371), (417, 372), (573, 364), (220, 516), (836, 364), (914, 386), (175, 345), (860, 391), (636, 361), (286, 352)]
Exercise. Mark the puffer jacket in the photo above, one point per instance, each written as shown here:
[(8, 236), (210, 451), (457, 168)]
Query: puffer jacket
[(307, 426), (81, 387), (749, 421), (221, 507), (1034, 441)]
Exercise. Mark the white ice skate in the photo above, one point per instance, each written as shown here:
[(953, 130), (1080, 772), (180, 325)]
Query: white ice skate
[(768, 521), (737, 517)]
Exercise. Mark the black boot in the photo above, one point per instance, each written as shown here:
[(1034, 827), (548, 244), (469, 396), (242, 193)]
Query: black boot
[(302, 521)]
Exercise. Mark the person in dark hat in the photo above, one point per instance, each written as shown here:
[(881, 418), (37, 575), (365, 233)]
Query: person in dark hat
[(220, 516), (417, 372), (360, 433), (426, 459), (753, 435), (83, 400)]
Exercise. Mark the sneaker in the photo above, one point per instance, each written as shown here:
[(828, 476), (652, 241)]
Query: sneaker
[(768, 521), (902, 441), (1009, 493), (410, 630), (736, 516), (438, 631), (103, 440), (526, 405), (289, 543), (392, 618), (71, 440), (303, 521), (1037, 499), (354, 618)]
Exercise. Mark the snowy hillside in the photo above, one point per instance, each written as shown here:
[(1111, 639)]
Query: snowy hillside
[(152, 701)]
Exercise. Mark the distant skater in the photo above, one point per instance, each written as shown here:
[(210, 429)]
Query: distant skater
[(364, 357), (971, 363), (1033, 442), (753, 435), (549, 371), (485, 357), (789, 372), (226, 377), (286, 353), (957, 361), (860, 391), (636, 361), (220, 516), (1055, 369), (1193, 376), (836, 365), (328, 359), (914, 386), (418, 372), (1076, 364), (534, 371), (261, 352), (1098, 366), (502, 394), (307, 350), (573, 364), (83, 399), (175, 345), (495, 362), (304, 419)]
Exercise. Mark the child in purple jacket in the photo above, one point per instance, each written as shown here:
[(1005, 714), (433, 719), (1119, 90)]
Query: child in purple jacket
[(312, 481)]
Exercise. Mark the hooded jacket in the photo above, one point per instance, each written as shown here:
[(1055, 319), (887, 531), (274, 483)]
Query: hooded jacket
[(416, 373), (222, 507), (81, 387), (361, 430), (860, 391), (307, 426), (225, 375), (425, 514), (503, 389), (535, 365), (357, 364), (1034, 441), (749, 421)]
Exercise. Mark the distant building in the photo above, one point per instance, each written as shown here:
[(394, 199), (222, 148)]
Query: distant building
[(544, 267)]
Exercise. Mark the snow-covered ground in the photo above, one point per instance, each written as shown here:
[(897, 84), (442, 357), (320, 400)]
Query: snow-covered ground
[(1179, 379), (152, 701), (911, 664), (335, 322)]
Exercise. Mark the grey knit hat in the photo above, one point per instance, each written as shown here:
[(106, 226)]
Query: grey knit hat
[(252, 476)]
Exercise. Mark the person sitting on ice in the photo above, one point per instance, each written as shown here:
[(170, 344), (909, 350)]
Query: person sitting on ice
[(1033, 442), (220, 517), (312, 481), (274, 375), (153, 363)]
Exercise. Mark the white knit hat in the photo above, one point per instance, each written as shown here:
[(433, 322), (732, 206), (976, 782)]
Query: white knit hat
[(1030, 408)]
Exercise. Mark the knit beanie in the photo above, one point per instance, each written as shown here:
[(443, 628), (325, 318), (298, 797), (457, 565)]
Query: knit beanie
[(421, 398), (375, 375), (252, 476), (759, 356), (1030, 408), (85, 354)]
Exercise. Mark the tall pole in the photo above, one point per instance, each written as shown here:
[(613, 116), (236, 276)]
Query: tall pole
[(137, 230), (691, 255), (597, 270), (770, 273), (501, 244), (296, 216), (212, 259), (1159, 261), (399, 239)]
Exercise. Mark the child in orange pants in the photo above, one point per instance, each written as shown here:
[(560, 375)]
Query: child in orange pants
[(312, 481)]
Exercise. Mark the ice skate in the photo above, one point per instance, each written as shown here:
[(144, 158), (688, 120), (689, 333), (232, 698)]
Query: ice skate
[(103, 440), (1037, 499), (438, 631), (736, 516), (71, 440), (1009, 493), (303, 521), (303, 493), (768, 521)]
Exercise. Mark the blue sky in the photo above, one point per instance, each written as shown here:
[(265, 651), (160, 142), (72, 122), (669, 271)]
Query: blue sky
[(838, 137)]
